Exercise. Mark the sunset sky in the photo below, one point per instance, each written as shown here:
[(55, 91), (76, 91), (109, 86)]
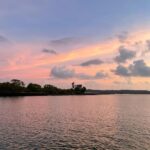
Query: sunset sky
[(103, 44)]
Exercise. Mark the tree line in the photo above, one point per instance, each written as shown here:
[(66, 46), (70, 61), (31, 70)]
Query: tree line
[(18, 87)]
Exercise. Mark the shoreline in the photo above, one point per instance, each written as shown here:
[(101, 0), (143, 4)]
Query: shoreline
[(88, 92)]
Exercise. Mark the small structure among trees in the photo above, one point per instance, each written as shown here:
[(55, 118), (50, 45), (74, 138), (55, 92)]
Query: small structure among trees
[(78, 88), (18, 88)]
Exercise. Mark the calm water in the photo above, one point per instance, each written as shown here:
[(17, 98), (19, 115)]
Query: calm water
[(75, 122)]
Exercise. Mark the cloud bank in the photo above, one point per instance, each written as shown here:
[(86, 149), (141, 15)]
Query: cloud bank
[(137, 69), (63, 72)]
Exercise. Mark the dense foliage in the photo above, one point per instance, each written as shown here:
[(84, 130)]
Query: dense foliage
[(17, 87)]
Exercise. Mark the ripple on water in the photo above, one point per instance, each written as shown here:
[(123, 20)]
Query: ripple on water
[(114, 122)]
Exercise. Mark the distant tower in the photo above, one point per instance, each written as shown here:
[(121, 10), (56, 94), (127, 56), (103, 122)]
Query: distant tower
[(73, 85)]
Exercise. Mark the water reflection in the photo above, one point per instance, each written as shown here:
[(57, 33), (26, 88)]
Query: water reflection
[(75, 122)]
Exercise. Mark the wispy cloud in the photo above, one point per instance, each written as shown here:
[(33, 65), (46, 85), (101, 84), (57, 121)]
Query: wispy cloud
[(146, 47), (4, 40), (69, 43), (65, 41), (49, 51), (122, 37), (91, 62)]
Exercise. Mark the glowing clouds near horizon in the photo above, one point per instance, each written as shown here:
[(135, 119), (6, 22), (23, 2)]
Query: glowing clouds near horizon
[(109, 64)]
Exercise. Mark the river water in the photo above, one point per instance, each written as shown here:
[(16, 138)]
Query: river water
[(104, 122)]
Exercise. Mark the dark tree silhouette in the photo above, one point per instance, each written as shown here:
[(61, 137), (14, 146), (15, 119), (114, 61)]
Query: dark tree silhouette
[(32, 87), (17, 87), (17, 82), (50, 89)]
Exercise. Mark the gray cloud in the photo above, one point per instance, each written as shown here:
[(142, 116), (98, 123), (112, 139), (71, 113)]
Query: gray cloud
[(98, 75), (91, 62), (121, 71), (138, 68), (123, 82), (143, 46), (147, 49), (122, 37), (68, 43), (50, 51), (62, 72), (148, 44), (65, 41), (3, 39), (65, 73), (124, 55)]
